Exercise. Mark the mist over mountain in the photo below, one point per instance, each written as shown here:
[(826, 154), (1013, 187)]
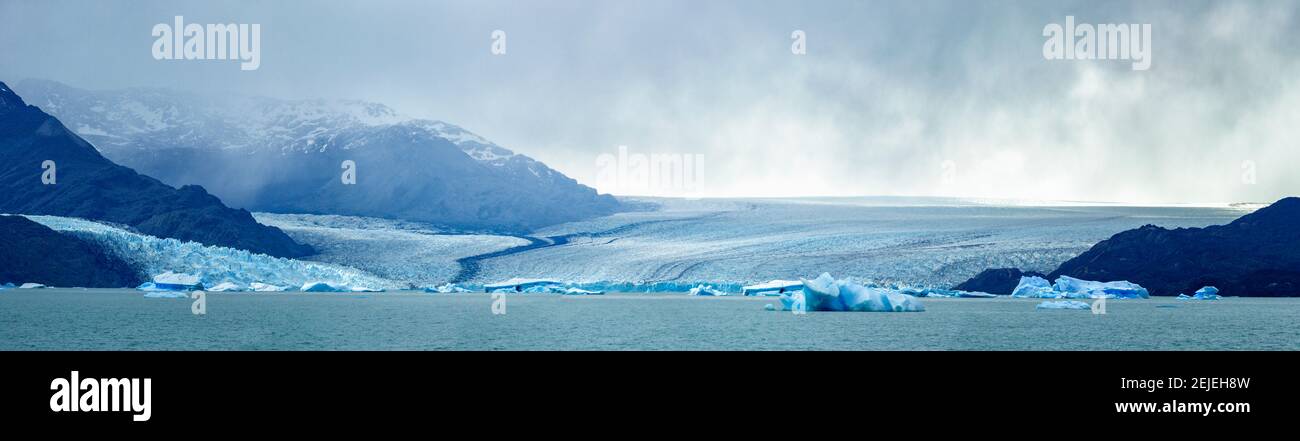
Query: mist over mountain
[(286, 156), (87, 185)]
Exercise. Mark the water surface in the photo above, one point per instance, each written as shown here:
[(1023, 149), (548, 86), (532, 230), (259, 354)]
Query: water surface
[(107, 319)]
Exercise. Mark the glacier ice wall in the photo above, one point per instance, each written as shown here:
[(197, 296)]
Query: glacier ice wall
[(214, 265)]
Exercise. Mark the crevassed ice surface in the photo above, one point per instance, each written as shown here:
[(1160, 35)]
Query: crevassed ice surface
[(406, 251), (914, 241), (212, 264)]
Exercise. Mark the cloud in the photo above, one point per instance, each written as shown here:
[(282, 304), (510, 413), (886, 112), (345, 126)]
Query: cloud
[(887, 94)]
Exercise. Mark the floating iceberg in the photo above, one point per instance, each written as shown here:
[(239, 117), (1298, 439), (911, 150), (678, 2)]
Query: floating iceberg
[(1064, 304), (170, 281), (581, 292), (1067, 287), (772, 288), (825, 293), (1206, 293), (365, 289), (1035, 288), (447, 288), (705, 290), (322, 287), (1074, 289), (211, 264), (225, 287), (31, 286), (263, 287)]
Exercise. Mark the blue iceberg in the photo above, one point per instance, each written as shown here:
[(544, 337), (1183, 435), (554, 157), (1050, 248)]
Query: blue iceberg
[(1035, 287), (825, 293), (1206, 293), (705, 290), (1083, 289), (1067, 287)]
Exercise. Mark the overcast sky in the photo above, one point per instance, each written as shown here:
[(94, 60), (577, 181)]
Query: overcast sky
[(946, 98)]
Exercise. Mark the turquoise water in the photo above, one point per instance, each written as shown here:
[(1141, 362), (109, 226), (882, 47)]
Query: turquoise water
[(100, 319)]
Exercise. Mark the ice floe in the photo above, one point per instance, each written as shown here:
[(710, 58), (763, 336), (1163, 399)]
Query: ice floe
[(1064, 304), (31, 286), (170, 281), (1071, 288)]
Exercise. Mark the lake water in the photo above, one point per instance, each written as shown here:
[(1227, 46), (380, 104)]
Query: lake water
[(116, 319)]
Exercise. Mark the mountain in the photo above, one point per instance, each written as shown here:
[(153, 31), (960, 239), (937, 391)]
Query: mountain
[(996, 281), (25, 247), (285, 156), (88, 185), (1257, 255)]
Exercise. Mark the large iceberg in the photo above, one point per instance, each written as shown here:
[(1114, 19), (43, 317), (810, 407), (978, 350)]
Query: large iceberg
[(1075, 288), (213, 265), (1036, 288), (170, 281), (825, 293), (1067, 287)]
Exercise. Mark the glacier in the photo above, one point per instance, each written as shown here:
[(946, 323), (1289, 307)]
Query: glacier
[(212, 265), (1071, 288)]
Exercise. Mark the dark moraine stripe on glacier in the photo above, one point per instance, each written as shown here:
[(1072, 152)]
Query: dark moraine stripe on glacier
[(470, 266)]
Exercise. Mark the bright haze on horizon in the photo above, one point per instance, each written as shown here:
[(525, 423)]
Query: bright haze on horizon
[(919, 98)]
